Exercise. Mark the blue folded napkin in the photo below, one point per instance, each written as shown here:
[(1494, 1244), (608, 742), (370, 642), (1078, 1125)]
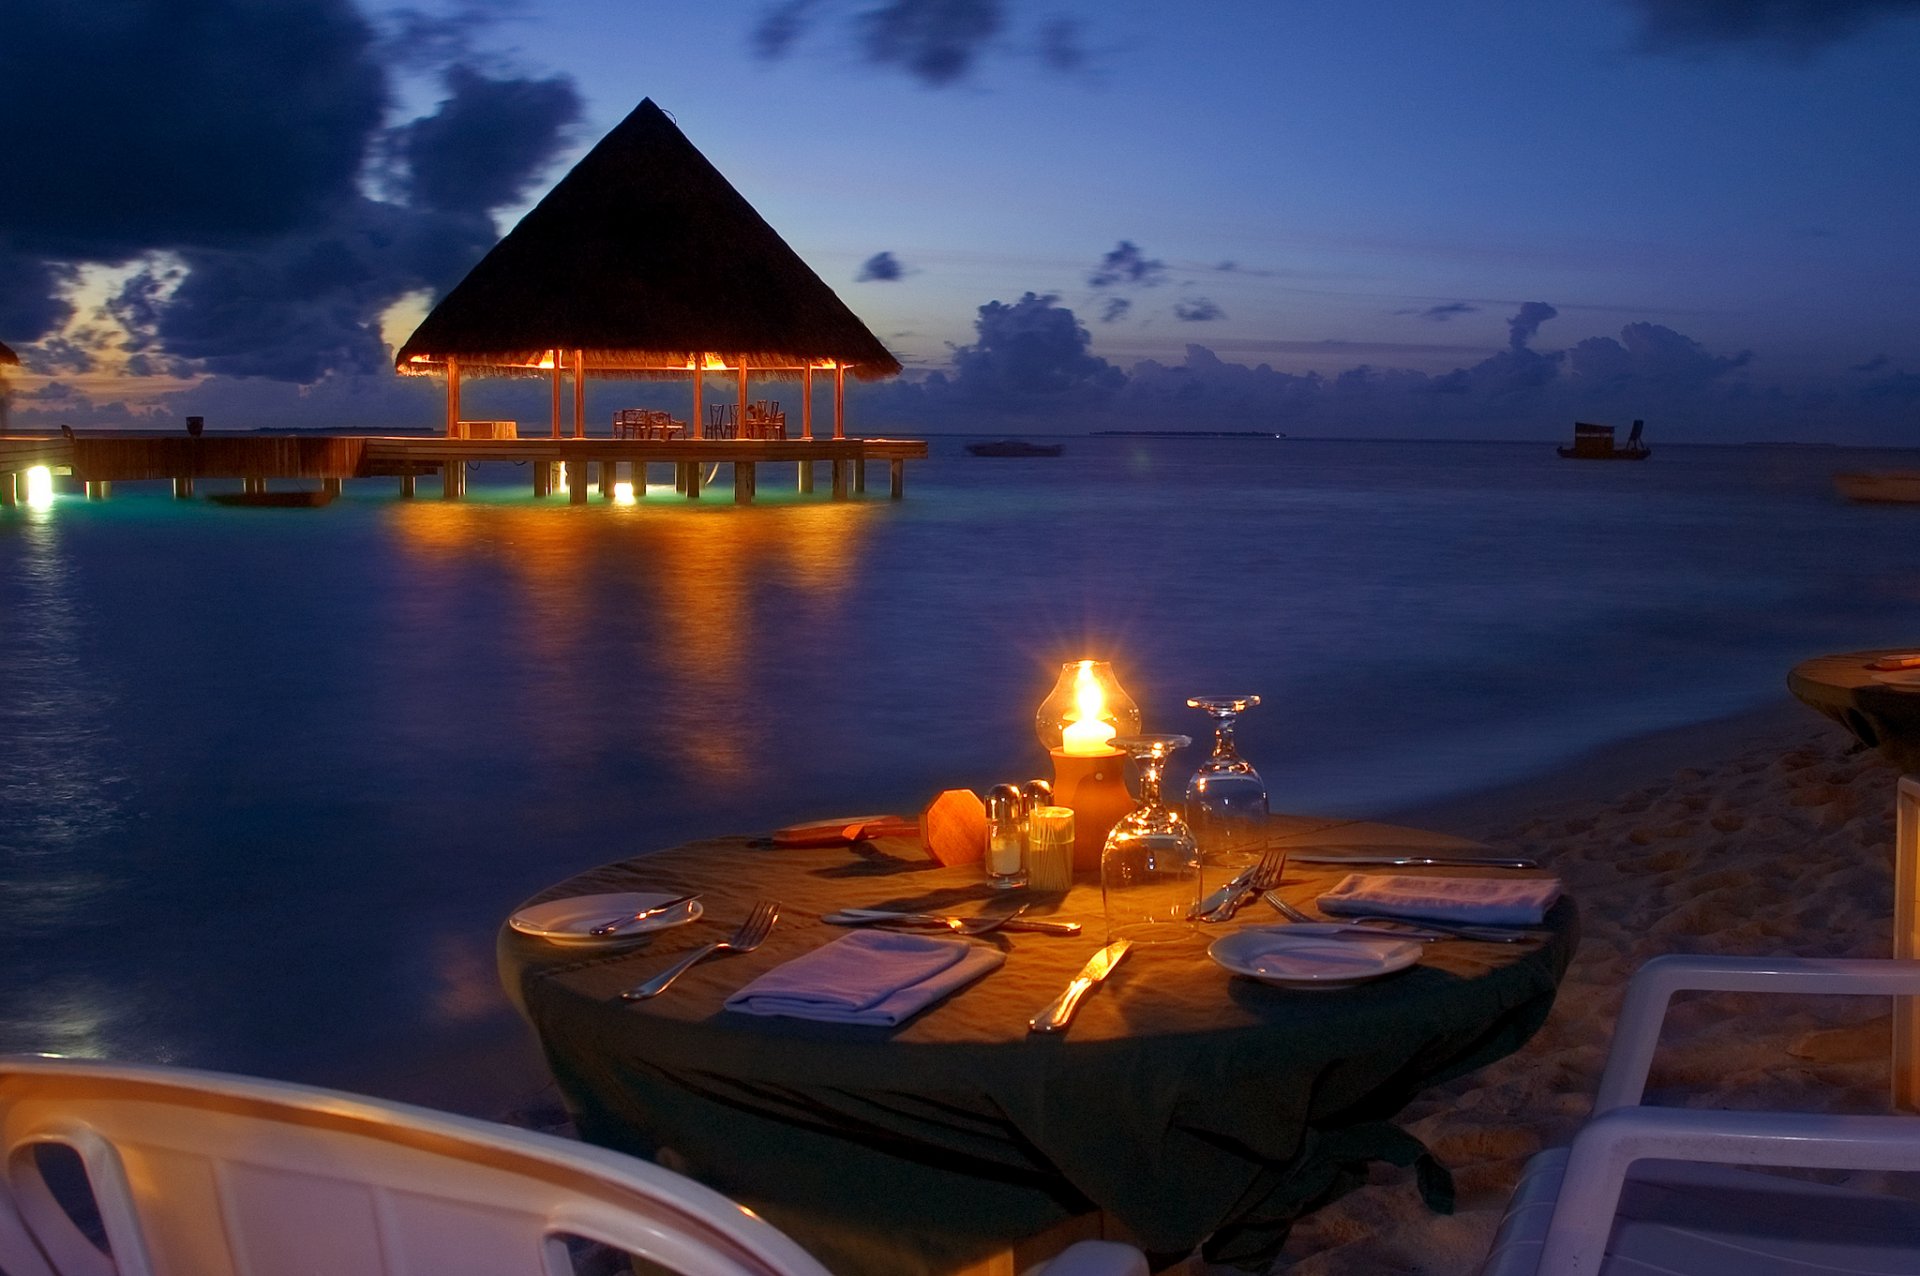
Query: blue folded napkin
[(1503, 901), (868, 977)]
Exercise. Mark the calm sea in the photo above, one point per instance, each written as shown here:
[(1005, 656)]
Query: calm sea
[(272, 779)]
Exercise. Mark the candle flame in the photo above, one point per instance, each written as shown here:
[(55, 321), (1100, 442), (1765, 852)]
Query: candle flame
[(1088, 731)]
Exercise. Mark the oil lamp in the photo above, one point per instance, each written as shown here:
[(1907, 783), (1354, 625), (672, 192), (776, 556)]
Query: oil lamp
[(1077, 724)]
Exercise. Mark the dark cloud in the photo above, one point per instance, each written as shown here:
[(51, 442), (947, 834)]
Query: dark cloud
[(882, 267), (1875, 364), (221, 144), (486, 142), (1114, 309), (1526, 322), (426, 39), (1061, 47), (56, 355), (1792, 26), (1197, 310), (1442, 313), (1030, 353), (937, 42), (780, 27), (1653, 359), (160, 124), (1127, 265)]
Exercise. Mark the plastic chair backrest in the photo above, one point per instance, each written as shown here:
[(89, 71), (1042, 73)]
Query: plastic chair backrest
[(202, 1174)]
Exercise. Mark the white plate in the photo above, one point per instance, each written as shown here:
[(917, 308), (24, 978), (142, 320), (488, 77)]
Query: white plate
[(1909, 678), (1311, 956), (567, 921)]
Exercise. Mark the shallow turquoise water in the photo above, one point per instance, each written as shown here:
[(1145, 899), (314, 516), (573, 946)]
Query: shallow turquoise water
[(273, 778)]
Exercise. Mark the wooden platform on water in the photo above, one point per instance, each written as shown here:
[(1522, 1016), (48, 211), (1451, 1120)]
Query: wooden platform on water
[(100, 458)]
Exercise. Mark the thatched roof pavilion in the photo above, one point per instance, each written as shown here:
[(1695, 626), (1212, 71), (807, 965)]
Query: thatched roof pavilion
[(644, 262), (8, 357)]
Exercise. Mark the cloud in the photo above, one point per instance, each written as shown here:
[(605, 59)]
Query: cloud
[(1875, 364), (1442, 313), (882, 267), (1030, 353), (1655, 360), (1061, 47), (1127, 265), (1786, 26), (56, 355), (940, 43), (221, 149), (1197, 310), (1526, 322), (1114, 308)]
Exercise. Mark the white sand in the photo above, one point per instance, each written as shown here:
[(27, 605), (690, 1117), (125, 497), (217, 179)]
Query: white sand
[(1783, 846)]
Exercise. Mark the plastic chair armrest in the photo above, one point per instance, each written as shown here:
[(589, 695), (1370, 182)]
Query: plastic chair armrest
[(1637, 1032), (1609, 1145)]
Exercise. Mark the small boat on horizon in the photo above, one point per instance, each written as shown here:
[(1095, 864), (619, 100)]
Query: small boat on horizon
[(1880, 487), (1015, 447), (1595, 443)]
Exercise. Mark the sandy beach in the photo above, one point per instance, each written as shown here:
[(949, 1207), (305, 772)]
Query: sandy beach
[(1764, 834)]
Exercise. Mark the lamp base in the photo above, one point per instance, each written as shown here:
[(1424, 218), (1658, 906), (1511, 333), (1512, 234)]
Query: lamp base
[(1095, 786)]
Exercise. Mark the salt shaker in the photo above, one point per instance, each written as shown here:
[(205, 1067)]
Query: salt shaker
[(1006, 837)]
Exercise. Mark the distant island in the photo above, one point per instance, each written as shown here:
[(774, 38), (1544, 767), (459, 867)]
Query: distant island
[(1191, 434)]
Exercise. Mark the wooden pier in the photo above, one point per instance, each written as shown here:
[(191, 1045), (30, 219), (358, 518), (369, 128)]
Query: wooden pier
[(576, 466)]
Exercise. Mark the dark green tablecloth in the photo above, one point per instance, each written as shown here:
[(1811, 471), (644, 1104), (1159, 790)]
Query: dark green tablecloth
[(1185, 1102)]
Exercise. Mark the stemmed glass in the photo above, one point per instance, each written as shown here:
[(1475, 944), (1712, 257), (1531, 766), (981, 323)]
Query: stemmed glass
[(1149, 870), (1226, 799)]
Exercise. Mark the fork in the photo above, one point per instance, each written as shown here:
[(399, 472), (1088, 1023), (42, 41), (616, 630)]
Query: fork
[(961, 925), (1262, 877), (744, 940), (1408, 929)]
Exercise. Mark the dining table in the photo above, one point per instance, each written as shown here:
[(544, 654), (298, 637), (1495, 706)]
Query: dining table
[(1184, 1107)]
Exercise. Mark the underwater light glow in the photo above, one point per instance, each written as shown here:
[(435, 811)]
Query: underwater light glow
[(623, 493), (39, 487)]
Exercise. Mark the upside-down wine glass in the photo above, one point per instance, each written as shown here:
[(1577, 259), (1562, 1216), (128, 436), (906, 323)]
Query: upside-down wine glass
[(1226, 799), (1149, 870)]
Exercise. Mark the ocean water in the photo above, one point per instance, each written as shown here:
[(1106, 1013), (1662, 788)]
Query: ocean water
[(272, 779)]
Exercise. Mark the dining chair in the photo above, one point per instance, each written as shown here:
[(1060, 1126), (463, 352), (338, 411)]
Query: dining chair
[(124, 1170), (1645, 1189)]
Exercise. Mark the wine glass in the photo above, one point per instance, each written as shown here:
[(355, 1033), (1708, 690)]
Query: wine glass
[(1226, 799), (1149, 870)]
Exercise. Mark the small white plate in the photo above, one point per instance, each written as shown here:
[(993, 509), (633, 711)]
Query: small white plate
[(567, 921), (1311, 956), (1908, 678)]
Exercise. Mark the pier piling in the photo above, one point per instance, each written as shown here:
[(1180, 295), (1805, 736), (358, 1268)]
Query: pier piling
[(804, 481), (860, 475), (896, 479), (406, 486), (839, 479), (182, 489)]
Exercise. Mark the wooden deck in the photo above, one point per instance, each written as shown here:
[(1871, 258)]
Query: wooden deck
[(101, 458)]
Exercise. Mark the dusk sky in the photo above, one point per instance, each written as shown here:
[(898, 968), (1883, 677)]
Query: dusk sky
[(1479, 218)]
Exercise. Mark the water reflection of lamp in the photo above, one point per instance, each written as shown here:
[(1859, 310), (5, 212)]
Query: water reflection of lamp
[(1076, 725), (39, 486)]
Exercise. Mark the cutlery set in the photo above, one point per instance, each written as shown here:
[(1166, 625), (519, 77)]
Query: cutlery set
[(1256, 880)]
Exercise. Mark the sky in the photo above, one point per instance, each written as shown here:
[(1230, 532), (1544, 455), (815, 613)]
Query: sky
[(1375, 218)]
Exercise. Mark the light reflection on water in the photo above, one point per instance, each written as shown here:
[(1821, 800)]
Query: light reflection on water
[(273, 778)]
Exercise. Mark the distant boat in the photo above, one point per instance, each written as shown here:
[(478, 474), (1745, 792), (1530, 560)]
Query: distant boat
[(1880, 487), (313, 499), (1595, 443), (1015, 447)]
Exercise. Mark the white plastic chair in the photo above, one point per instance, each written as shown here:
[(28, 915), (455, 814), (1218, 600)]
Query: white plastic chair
[(203, 1174), (1647, 1190)]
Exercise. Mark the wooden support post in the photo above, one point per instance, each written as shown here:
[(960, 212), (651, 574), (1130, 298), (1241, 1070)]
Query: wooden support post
[(453, 480), (98, 489), (680, 476), (805, 481), (579, 394), (183, 489), (331, 486), (896, 478), (453, 396), (577, 482), (9, 490), (253, 486), (542, 478), (406, 486), (554, 356), (1906, 939), (839, 402), (806, 406), (839, 479), (609, 470), (859, 475), (693, 480), (741, 431), (697, 428), (743, 482)]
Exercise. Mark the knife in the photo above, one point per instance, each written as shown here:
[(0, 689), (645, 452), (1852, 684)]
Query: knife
[(861, 916), (1056, 1016), (621, 923), (1236, 886), (1402, 861)]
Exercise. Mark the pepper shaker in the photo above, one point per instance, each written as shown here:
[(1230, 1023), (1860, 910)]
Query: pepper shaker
[(1006, 837)]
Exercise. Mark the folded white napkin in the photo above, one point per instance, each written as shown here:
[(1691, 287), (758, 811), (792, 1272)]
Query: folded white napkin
[(870, 977), (1495, 901)]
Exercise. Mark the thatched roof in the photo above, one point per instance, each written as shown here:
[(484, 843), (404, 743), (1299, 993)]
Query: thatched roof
[(7, 356), (643, 256)]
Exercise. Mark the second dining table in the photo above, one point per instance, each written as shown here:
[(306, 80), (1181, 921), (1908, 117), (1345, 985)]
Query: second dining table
[(1185, 1105)]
